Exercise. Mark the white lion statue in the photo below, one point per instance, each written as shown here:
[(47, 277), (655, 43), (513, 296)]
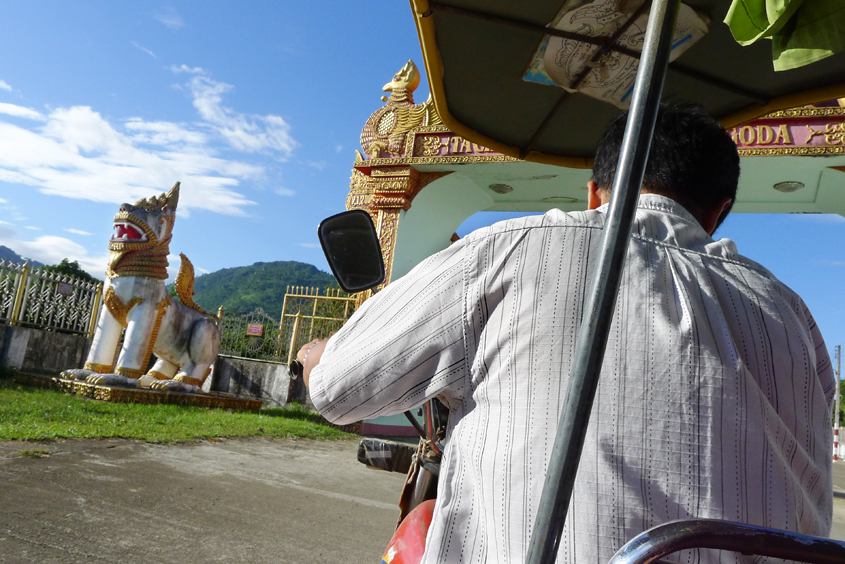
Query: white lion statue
[(184, 337)]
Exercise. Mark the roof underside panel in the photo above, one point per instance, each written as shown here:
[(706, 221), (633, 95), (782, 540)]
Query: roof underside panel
[(480, 61)]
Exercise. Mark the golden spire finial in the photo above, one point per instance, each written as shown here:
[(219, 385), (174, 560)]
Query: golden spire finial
[(408, 78)]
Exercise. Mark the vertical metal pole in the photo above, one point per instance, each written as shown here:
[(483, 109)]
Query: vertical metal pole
[(279, 344), (19, 296), (293, 335), (838, 400), (284, 308), (95, 310), (313, 315), (604, 285)]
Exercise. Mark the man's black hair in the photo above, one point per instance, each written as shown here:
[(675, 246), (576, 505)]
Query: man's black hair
[(692, 159)]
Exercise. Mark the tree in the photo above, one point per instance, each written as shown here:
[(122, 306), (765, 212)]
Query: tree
[(71, 268)]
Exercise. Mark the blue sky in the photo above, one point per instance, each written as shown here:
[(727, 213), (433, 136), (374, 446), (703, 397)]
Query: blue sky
[(257, 107)]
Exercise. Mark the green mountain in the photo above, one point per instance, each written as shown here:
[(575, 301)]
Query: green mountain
[(246, 288), (8, 254)]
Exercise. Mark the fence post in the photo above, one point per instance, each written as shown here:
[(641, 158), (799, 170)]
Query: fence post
[(282, 324), (49, 279), (313, 315), (293, 334), (92, 326), (284, 309), (21, 291), (220, 316)]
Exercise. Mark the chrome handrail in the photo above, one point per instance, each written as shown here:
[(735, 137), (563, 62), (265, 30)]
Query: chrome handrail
[(672, 537)]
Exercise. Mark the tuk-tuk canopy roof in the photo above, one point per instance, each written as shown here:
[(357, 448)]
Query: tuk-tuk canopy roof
[(477, 51)]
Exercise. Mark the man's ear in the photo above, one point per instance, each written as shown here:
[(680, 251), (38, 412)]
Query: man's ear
[(594, 195), (710, 217)]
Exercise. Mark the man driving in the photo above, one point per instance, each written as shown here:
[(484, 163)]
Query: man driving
[(715, 394)]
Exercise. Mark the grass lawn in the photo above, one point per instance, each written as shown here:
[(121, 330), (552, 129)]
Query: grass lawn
[(31, 414)]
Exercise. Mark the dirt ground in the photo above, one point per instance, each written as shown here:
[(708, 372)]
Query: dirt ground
[(256, 500), (232, 501)]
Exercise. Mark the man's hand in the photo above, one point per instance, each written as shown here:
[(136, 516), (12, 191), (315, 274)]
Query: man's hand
[(309, 355)]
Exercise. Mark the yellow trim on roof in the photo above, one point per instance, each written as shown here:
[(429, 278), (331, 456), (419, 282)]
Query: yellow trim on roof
[(434, 69), (787, 102)]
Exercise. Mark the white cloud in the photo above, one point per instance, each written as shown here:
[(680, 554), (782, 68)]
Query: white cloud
[(163, 133), (145, 50), (20, 111), (249, 133), (319, 165), (174, 262), (82, 130), (169, 17), (185, 68), (75, 152), (5, 86), (33, 228), (309, 245), (338, 148), (2, 201), (50, 249), (817, 217), (78, 154)]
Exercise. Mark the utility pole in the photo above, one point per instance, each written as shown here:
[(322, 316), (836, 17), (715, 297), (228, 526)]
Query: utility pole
[(838, 398)]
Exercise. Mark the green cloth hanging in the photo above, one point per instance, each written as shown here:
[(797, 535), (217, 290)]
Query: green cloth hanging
[(802, 31)]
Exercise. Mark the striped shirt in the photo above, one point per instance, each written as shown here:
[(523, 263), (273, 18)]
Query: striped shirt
[(714, 400)]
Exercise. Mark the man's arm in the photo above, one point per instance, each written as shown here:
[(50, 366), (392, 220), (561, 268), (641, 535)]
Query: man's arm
[(309, 355), (402, 347)]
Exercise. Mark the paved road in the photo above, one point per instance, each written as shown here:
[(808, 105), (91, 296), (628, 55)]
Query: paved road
[(838, 531), (231, 501), (256, 500)]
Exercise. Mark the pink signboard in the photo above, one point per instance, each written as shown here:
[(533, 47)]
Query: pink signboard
[(447, 144), (64, 289), (255, 329), (812, 134)]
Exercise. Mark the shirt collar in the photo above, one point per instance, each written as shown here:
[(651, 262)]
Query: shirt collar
[(656, 202)]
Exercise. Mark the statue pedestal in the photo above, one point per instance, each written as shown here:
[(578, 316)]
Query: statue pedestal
[(128, 395)]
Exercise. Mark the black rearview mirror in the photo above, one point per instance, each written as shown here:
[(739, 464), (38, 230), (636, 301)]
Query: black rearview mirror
[(351, 246), (352, 249)]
